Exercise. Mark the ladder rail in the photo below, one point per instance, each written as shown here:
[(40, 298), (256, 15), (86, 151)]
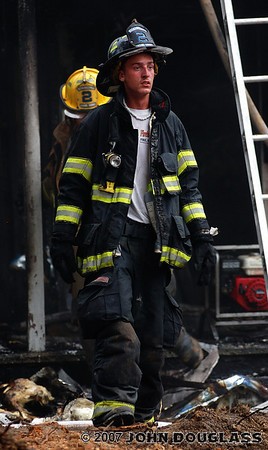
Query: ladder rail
[(246, 132)]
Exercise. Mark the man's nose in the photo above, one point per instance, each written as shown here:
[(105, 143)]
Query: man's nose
[(145, 71)]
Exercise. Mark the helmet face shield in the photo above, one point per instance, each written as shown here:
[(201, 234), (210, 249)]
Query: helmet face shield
[(137, 39), (79, 93)]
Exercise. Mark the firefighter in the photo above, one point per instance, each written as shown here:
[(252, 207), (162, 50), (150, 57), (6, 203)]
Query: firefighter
[(78, 96), (129, 198)]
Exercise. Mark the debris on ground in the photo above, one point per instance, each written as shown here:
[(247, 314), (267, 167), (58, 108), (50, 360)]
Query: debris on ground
[(260, 407), (21, 392), (182, 384), (232, 389), (198, 412), (205, 429), (199, 423), (47, 394)]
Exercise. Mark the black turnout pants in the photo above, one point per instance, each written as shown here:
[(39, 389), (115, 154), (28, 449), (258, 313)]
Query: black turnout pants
[(129, 349)]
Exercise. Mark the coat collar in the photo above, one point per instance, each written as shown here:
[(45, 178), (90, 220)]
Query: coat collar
[(159, 102)]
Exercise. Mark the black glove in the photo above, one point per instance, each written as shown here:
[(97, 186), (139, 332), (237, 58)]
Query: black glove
[(204, 261), (62, 255)]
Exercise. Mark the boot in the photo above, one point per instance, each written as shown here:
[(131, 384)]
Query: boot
[(188, 349)]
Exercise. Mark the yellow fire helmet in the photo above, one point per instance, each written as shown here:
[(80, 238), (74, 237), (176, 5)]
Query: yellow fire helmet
[(79, 94)]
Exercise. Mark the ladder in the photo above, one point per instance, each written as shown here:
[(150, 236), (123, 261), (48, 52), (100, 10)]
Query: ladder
[(248, 138)]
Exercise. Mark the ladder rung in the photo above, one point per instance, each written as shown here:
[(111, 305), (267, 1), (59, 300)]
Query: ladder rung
[(252, 21), (264, 196), (256, 78), (260, 137)]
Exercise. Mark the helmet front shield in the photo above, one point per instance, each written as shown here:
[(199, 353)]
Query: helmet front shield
[(139, 36), (79, 94)]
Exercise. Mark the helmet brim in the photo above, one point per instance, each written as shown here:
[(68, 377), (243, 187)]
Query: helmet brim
[(104, 82), (73, 115), (63, 93)]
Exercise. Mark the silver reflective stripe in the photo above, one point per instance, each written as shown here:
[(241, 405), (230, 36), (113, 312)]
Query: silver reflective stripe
[(95, 262), (121, 195), (172, 183), (193, 211), (67, 213), (186, 159), (174, 257), (80, 166)]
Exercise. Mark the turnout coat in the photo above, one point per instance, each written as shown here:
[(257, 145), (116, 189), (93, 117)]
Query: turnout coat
[(94, 197)]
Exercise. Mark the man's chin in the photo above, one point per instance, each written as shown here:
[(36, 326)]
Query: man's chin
[(146, 89)]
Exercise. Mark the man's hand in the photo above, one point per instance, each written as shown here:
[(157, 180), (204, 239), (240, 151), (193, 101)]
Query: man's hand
[(204, 261), (62, 255)]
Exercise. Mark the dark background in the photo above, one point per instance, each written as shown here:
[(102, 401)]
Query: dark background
[(72, 34)]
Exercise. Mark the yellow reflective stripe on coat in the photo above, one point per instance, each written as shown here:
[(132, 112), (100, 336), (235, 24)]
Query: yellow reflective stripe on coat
[(162, 187), (174, 257), (193, 211), (120, 195), (80, 166), (186, 159), (171, 183), (67, 213), (108, 405), (95, 262)]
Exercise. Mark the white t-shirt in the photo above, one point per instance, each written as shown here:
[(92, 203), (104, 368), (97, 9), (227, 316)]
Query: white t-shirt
[(137, 209)]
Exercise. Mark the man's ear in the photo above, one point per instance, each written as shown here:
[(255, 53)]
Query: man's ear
[(121, 75)]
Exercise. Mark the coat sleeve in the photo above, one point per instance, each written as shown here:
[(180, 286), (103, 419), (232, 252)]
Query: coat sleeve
[(192, 208), (75, 185)]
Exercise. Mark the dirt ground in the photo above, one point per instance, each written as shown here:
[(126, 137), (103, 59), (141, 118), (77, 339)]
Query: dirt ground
[(205, 429)]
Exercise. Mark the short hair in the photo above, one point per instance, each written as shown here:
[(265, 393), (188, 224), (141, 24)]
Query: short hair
[(120, 64)]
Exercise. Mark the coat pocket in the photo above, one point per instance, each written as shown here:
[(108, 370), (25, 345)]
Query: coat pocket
[(168, 168), (167, 163)]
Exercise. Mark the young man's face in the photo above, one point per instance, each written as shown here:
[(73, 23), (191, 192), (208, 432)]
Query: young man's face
[(137, 74)]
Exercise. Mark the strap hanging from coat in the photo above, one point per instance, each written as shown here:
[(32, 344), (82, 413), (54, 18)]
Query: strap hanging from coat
[(156, 185)]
